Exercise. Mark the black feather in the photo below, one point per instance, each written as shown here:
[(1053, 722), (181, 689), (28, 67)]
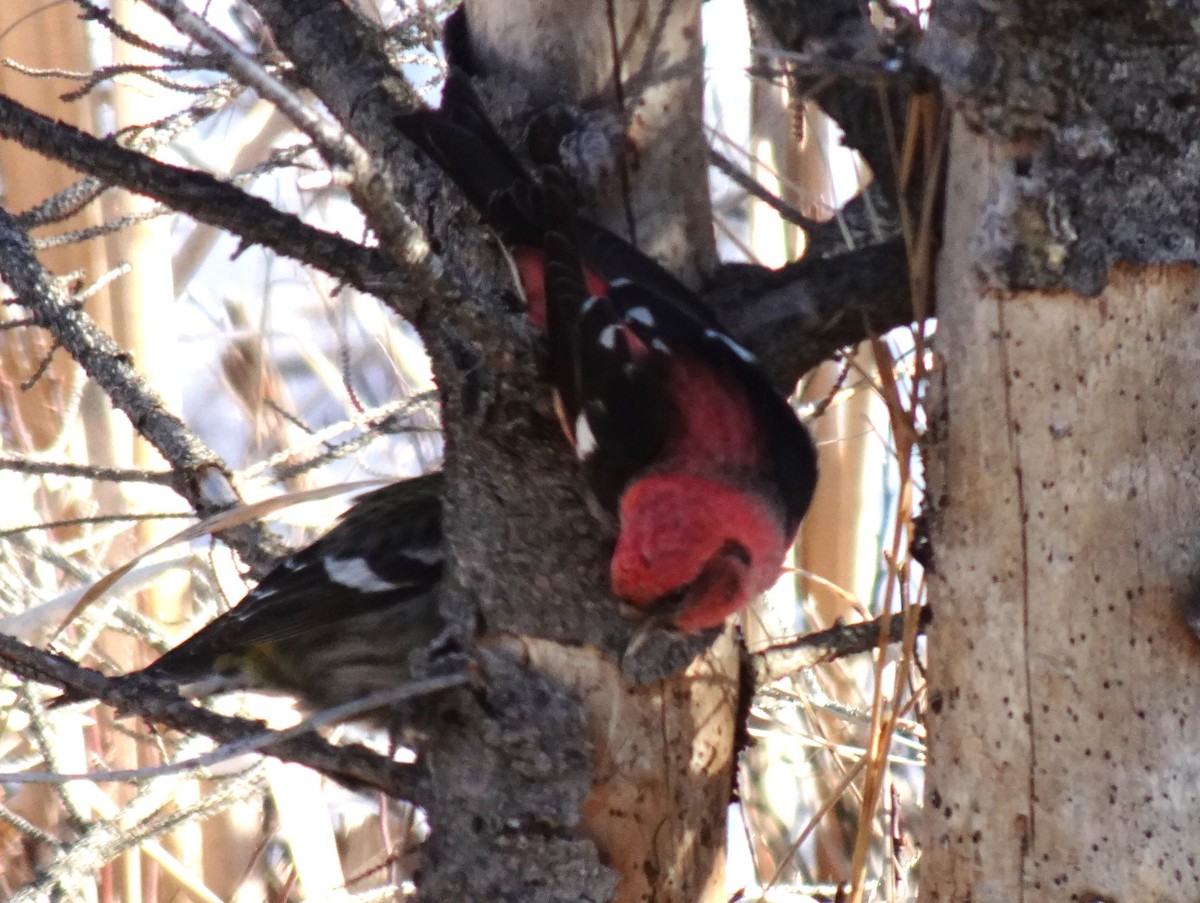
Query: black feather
[(268, 640)]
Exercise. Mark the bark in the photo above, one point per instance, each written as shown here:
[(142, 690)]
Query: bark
[(1062, 682), (352, 764), (557, 725), (638, 63), (659, 779)]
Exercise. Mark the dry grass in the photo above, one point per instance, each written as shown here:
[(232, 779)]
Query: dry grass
[(298, 388)]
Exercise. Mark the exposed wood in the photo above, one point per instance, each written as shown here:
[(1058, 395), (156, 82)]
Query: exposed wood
[(1063, 727), (661, 780)]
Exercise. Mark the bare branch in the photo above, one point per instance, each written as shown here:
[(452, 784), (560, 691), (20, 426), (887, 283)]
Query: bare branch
[(755, 189), (408, 279), (101, 358), (337, 147), (796, 317), (370, 184), (354, 765), (91, 521), (142, 818), (147, 138), (99, 14), (836, 642), (264, 739), (89, 472), (205, 198), (345, 62), (201, 476)]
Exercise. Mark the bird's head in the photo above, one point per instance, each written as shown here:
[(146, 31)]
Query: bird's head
[(693, 551)]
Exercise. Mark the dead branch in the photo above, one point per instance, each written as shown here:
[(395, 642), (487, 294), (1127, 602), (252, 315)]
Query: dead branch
[(837, 642), (353, 765), (201, 477)]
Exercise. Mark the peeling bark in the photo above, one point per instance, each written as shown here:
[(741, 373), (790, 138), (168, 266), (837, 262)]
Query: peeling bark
[(1063, 467)]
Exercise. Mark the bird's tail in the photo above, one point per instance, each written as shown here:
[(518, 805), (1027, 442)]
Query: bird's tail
[(566, 285), (461, 140)]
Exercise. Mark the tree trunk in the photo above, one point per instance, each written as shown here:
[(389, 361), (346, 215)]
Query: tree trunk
[(1063, 681), (654, 797)]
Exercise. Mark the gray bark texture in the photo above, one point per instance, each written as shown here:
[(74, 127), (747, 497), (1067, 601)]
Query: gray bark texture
[(1064, 748), (647, 788)]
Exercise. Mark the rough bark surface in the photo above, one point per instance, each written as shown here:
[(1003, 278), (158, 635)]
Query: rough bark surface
[(1064, 474), (534, 559), (1099, 95), (566, 766), (513, 764)]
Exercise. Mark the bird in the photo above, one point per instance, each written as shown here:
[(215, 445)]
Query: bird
[(336, 620), (680, 434)]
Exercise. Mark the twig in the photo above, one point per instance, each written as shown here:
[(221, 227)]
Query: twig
[(87, 471), (755, 188), (353, 764), (202, 477), (104, 361), (73, 868), (370, 185), (205, 198), (263, 741), (99, 14), (335, 146), (92, 520), (63, 204), (804, 652)]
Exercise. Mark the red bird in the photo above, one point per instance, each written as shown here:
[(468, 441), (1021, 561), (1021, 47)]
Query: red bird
[(679, 431)]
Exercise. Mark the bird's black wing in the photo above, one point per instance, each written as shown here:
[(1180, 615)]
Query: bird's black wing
[(384, 552)]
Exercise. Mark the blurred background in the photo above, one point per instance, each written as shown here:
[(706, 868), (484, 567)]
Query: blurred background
[(301, 383)]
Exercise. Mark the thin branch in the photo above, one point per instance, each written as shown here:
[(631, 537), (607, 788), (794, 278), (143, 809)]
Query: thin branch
[(755, 189), (91, 521), (345, 62), (278, 160), (98, 14), (101, 358), (370, 185), (855, 75), (206, 199), (335, 146), (264, 740), (89, 472), (71, 872), (108, 227), (354, 765), (203, 478), (146, 138), (152, 74), (804, 652), (42, 368), (342, 438)]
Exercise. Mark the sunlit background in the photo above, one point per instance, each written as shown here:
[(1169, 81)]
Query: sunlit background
[(300, 383)]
